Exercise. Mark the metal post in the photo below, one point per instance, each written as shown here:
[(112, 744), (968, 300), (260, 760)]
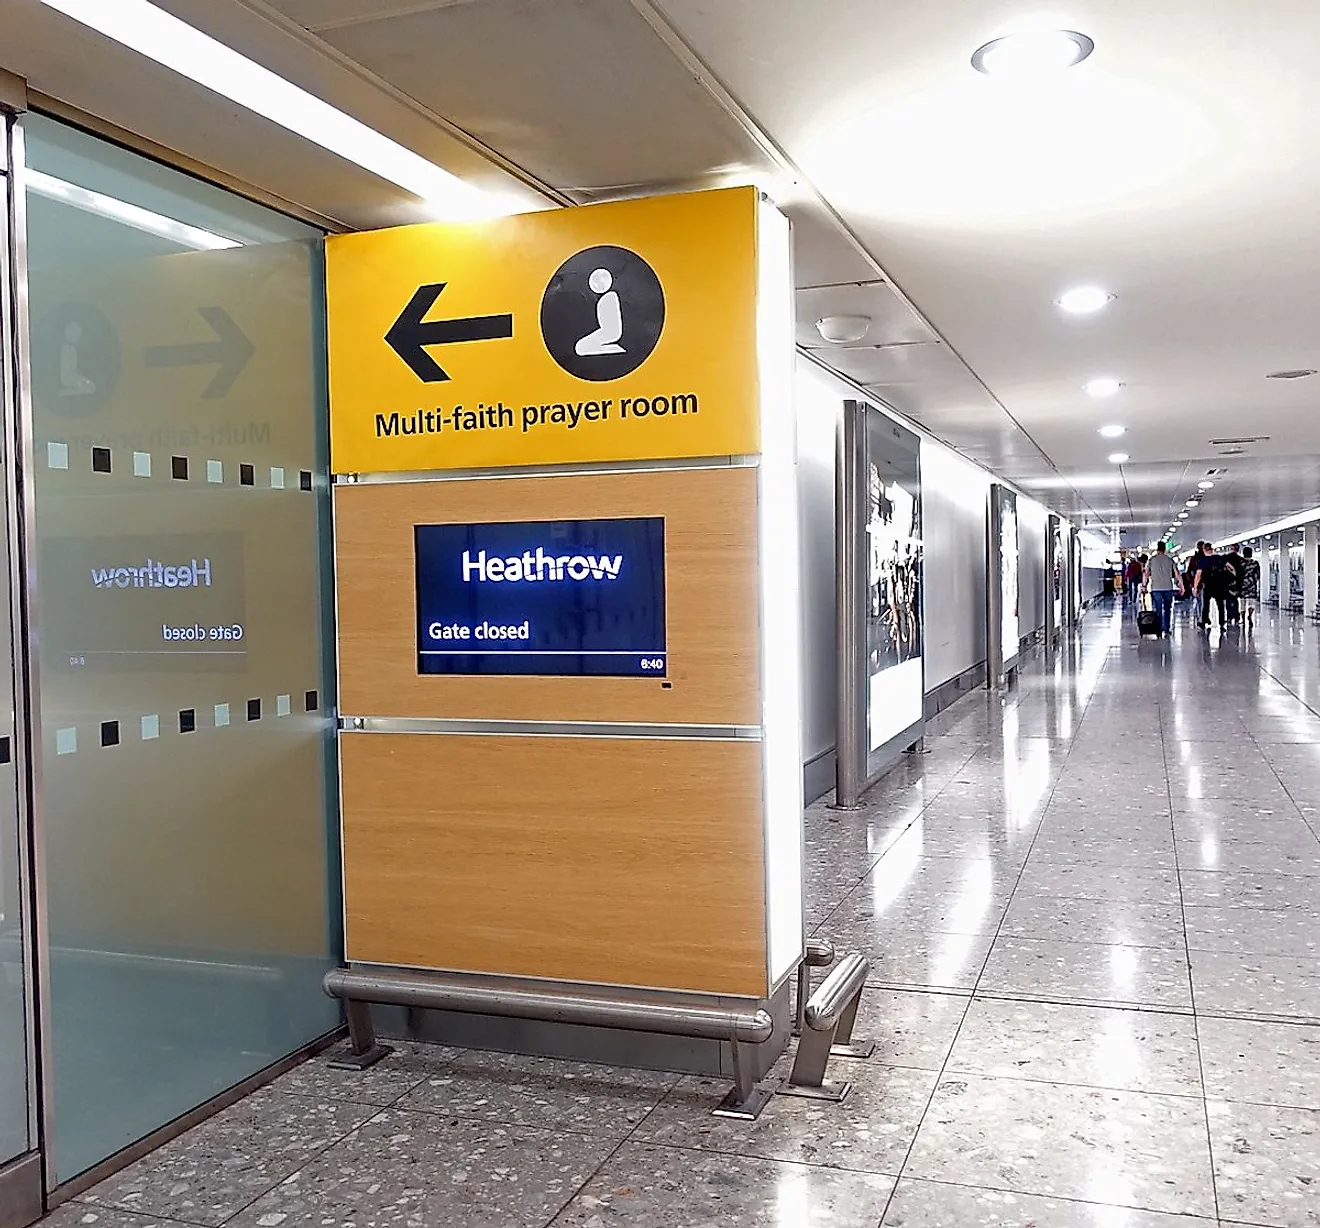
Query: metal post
[(994, 594), (817, 953), (1052, 568), (1310, 574), (746, 1098), (803, 992), (1074, 579), (850, 612), (844, 1045), (365, 1049)]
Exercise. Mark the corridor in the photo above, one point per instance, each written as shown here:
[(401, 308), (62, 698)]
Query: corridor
[(1092, 911)]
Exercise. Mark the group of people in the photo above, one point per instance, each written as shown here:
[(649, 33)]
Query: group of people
[(1227, 582)]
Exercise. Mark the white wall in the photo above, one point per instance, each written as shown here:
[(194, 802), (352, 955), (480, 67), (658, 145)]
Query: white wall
[(954, 496), (955, 500), (1033, 520), (819, 400)]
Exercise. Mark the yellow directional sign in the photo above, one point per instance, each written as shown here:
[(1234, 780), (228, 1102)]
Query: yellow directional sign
[(623, 331)]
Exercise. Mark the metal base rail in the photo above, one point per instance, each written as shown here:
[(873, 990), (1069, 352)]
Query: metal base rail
[(829, 1017), (359, 988)]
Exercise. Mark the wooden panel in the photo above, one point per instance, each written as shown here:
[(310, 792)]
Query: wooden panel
[(620, 861), (711, 595)]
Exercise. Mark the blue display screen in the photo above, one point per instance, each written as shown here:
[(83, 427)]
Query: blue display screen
[(542, 597)]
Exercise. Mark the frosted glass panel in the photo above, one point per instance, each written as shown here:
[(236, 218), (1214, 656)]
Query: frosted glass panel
[(177, 365)]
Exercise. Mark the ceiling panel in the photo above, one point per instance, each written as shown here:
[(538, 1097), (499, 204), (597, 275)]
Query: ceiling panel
[(580, 92), (823, 254), (324, 14), (892, 320)]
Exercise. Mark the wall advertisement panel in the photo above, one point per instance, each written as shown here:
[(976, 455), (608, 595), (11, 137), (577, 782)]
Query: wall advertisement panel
[(1055, 569), (881, 681), (1009, 550), (1075, 555), (1003, 635)]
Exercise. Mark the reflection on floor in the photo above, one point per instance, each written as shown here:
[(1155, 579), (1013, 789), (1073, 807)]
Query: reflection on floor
[(1092, 911)]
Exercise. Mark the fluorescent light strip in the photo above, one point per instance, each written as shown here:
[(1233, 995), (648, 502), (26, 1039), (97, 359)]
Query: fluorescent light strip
[(121, 211), (164, 38), (1275, 526)]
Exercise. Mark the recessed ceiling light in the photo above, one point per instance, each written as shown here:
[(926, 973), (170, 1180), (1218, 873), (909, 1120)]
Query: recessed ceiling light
[(1083, 300), (1117, 458), (1192, 503), (1113, 431), (1032, 53), (162, 37), (1103, 386), (1205, 486), (1183, 515), (1298, 373)]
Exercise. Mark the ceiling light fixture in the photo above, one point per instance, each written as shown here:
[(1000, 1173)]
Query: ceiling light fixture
[(1103, 386), (1032, 53), (840, 330), (1205, 486), (1113, 431), (1117, 458), (1298, 373), (186, 50), (1081, 300), (1183, 515), (130, 215), (1192, 503)]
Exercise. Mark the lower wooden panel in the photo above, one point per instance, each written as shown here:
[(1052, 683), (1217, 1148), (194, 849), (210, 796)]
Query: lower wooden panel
[(619, 861)]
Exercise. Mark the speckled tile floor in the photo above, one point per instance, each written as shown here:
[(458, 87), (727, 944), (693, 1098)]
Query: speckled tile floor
[(1093, 919)]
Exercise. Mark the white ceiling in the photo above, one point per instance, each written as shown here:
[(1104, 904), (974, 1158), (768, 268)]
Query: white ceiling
[(1175, 166)]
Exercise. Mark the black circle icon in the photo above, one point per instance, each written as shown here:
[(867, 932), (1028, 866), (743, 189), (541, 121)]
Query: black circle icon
[(602, 313), (76, 360)]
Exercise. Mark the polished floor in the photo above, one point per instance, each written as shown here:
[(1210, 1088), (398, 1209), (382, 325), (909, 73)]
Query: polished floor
[(1092, 912)]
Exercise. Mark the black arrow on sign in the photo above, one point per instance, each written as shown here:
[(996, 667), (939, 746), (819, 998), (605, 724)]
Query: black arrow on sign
[(231, 350), (412, 332)]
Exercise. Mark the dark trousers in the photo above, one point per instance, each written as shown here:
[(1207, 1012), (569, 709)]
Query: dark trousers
[(1231, 607), (1206, 598)]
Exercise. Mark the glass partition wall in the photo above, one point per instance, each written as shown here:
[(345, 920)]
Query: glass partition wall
[(178, 618)]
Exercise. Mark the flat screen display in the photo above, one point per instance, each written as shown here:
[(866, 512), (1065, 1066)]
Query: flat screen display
[(551, 597)]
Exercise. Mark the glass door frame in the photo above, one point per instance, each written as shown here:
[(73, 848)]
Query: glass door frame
[(24, 1180)]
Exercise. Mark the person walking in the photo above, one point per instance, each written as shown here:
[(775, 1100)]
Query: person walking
[(1233, 562), (1162, 581), (1211, 584), (1249, 592), (1132, 574), (1190, 570)]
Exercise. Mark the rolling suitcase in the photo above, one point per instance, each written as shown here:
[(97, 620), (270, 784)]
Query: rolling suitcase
[(1148, 622)]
